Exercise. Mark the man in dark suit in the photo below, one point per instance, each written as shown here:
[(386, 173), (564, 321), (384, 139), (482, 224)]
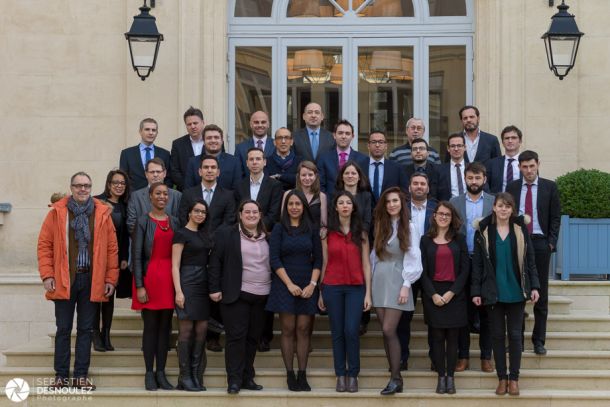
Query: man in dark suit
[(414, 129), (421, 207), (474, 204), (230, 168), (538, 198), (419, 157), (283, 163), (480, 146), (133, 159), (259, 124), (313, 139), (382, 173), (187, 146), (501, 171), (330, 162), (451, 182)]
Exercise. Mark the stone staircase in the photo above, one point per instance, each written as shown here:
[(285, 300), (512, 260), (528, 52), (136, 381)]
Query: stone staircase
[(576, 370)]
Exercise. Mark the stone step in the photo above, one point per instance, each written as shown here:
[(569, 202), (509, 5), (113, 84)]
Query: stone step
[(33, 356), (325, 378), (279, 397), (374, 340)]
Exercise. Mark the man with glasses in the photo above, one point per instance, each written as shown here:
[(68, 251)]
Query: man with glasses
[(133, 159), (76, 273), (415, 129), (139, 201), (421, 165), (383, 174), (282, 164), (451, 182)]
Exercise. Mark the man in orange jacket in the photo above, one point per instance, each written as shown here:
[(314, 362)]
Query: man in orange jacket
[(78, 264)]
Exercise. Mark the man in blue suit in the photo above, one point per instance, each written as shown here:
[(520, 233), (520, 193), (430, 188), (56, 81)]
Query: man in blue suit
[(230, 168), (383, 174), (259, 124), (330, 162), (505, 169), (133, 159), (480, 146)]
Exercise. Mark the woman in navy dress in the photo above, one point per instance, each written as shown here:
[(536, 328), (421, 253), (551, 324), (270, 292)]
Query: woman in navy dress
[(295, 253)]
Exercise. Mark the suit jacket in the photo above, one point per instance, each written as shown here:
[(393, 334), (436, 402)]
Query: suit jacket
[(488, 148), (495, 174), (225, 267), (302, 144), (443, 192), (230, 171), (139, 204), (269, 197), (241, 151), (221, 210), (328, 168), (430, 207), (131, 163), (182, 151), (548, 207), (431, 170), (460, 205), (288, 176), (393, 176)]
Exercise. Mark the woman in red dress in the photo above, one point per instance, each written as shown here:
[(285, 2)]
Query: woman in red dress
[(153, 290)]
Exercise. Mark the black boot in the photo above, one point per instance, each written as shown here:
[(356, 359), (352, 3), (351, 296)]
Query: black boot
[(199, 361), (107, 311), (150, 383), (302, 380), (450, 385), (441, 386), (291, 380), (185, 378), (162, 380), (96, 337)]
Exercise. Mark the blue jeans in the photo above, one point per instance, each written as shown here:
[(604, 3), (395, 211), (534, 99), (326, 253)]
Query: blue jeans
[(344, 304), (80, 294)]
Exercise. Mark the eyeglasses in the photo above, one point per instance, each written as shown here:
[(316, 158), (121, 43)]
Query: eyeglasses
[(199, 211), (456, 145), (378, 142), (418, 148), (117, 183), (283, 138), (443, 215), (81, 186), (420, 128)]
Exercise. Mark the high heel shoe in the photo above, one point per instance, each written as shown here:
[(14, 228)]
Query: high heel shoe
[(291, 381), (441, 385), (302, 381), (394, 386)]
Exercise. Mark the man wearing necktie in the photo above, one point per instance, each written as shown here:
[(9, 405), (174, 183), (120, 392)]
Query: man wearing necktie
[(539, 199), (312, 140), (259, 125), (382, 173), (451, 175), (503, 170)]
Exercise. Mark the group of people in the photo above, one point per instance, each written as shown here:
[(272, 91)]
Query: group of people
[(297, 225)]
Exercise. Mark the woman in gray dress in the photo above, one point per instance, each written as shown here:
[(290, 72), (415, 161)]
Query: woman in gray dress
[(396, 264)]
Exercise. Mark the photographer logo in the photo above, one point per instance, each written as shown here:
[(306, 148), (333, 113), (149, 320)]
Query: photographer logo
[(17, 390)]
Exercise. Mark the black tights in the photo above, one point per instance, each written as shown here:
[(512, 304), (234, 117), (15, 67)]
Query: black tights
[(155, 339), (389, 319), (295, 327), (445, 349), (188, 330), (107, 310)]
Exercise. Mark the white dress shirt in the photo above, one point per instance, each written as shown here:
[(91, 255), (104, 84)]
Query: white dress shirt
[(418, 216), (454, 181), (255, 187), (516, 172), (536, 229), (472, 146), (197, 146)]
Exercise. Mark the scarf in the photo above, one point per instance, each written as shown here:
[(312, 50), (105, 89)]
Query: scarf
[(284, 163), (80, 224)]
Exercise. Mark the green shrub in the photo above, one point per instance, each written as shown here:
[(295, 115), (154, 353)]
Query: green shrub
[(585, 194)]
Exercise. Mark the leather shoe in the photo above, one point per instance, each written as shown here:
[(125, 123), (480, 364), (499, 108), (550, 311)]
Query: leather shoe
[(539, 349), (486, 366), (352, 384), (513, 387), (250, 384), (263, 346), (450, 385), (340, 387), (441, 385), (214, 346), (394, 386), (233, 389), (83, 383), (502, 388), (462, 364)]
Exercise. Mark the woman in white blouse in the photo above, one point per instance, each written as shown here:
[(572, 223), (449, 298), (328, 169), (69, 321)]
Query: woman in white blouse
[(396, 264)]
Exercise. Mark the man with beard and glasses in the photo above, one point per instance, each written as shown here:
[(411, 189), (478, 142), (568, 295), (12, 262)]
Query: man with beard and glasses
[(421, 165), (471, 205)]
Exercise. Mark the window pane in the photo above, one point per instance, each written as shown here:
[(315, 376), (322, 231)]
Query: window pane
[(314, 75), (372, 8), (447, 7), (253, 8), (252, 86), (309, 8), (447, 93), (385, 93)]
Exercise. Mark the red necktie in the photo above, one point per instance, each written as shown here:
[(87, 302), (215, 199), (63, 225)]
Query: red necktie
[(529, 208)]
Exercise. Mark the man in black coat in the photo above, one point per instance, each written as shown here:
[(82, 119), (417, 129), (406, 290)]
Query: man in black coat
[(421, 164), (311, 141), (480, 146), (538, 198), (503, 170), (282, 164), (187, 146)]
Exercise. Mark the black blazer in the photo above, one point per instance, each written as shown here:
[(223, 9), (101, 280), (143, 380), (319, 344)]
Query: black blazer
[(131, 163), (488, 148), (182, 151), (269, 197), (548, 207), (220, 212), (230, 171), (431, 170), (461, 264), (393, 176), (443, 191), (225, 267), (495, 174), (302, 145)]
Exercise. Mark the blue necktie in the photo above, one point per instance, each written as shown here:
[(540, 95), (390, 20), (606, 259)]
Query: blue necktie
[(314, 143), (376, 186), (147, 157)]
